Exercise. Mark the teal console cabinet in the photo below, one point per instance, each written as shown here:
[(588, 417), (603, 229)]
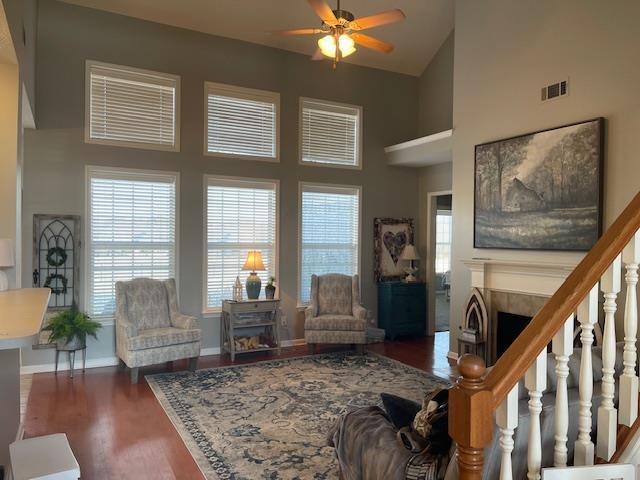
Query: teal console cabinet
[(402, 309)]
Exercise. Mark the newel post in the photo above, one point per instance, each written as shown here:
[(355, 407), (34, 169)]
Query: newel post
[(470, 416)]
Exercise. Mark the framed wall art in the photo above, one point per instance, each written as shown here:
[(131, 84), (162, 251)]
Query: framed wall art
[(391, 235), (56, 258), (541, 191)]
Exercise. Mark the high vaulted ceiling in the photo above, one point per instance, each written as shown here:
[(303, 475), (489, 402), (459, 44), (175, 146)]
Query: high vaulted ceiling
[(417, 38)]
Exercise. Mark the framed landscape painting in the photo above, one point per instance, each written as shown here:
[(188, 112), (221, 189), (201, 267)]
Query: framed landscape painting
[(541, 191)]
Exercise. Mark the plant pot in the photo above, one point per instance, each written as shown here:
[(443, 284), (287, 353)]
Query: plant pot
[(76, 344), (269, 292)]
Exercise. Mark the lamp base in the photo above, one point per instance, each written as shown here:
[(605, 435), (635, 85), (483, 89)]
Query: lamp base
[(253, 286), (4, 281)]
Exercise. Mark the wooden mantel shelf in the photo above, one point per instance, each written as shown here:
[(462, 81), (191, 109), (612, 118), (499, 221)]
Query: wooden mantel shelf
[(423, 151), (21, 315)]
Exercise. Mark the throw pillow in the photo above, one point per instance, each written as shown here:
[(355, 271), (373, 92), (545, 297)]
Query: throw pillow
[(401, 411)]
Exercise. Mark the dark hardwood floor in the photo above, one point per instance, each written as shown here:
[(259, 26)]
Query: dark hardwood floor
[(119, 431)]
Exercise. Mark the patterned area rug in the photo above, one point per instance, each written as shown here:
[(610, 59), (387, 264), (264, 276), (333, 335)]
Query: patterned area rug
[(269, 420)]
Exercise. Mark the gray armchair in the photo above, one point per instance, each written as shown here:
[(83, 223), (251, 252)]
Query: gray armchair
[(334, 314), (149, 327)]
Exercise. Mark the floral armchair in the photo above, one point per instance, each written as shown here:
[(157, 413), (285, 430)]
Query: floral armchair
[(149, 327), (334, 314)]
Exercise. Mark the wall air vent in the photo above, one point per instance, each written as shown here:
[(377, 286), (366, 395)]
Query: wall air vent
[(555, 90)]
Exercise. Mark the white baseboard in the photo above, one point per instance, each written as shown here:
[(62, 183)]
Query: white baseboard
[(452, 355), (209, 351), (292, 343), (64, 364)]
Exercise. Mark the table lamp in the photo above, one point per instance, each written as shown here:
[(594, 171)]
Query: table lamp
[(411, 255), (253, 263), (6, 260)]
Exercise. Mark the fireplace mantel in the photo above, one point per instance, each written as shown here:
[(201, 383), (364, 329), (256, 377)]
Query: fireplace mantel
[(533, 278)]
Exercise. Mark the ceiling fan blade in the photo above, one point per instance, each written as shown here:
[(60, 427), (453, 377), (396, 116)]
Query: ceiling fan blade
[(372, 43), (298, 31), (382, 18), (317, 55), (324, 11)]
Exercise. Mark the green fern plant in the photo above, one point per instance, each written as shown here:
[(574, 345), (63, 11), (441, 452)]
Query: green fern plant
[(72, 324)]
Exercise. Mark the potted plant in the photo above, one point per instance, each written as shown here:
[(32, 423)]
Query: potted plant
[(270, 288), (69, 329)]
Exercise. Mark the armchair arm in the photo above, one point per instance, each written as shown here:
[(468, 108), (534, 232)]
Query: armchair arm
[(359, 311), (186, 322), (124, 327), (309, 312)]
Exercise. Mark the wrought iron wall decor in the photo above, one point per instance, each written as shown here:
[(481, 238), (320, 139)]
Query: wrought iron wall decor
[(56, 257)]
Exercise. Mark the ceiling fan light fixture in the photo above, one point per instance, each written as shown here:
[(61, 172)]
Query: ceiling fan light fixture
[(346, 45), (327, 45)]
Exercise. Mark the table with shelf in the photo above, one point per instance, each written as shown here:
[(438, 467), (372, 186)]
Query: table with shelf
[(249, 314)]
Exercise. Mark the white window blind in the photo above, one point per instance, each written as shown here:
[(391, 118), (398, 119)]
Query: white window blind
[(132, 231), (329, 232), (242, 122), (241, 216), (131, 106), (330, 133), (443, 241)]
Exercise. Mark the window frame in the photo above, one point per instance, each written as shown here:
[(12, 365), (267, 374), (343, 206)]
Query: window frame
[(442, 213), (235, 91), (132, 173), (206, 310), (123, 143), (359, 134), (326, 188)]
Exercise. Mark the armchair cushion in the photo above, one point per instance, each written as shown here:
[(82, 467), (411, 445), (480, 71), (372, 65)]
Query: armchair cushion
[(147, 304), (179, 320), (334, 294), (162, 337), (335, 322)]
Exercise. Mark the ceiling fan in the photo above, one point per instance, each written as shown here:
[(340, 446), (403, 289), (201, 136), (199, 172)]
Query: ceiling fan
[(340, 31)]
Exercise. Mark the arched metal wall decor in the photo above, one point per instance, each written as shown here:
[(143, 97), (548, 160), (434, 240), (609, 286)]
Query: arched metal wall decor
[(56, 258)]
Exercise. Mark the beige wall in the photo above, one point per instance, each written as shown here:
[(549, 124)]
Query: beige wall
[(56, 155), (9, 164), (505, 52), (436, 91)]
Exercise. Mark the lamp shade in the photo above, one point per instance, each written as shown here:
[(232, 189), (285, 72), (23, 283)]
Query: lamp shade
[(254, 261), (409, 253), (6, 253)]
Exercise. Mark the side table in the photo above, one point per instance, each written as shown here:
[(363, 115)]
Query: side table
[(257, 315)]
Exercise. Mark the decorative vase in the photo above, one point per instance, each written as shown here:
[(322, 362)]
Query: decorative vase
[(77, 343), (270, 292), (253, 285)]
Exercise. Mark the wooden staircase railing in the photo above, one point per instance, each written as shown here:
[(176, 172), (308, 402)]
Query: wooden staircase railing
[(475, 398)]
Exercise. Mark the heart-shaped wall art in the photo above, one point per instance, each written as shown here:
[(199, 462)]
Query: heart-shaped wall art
[(395, 243)]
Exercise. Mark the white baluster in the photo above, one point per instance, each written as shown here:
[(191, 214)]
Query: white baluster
[(587, 316), (507, 420), (535, 380), (629, 380), (562, 347), (607, 414)]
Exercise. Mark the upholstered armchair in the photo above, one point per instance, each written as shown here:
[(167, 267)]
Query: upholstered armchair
[(149, 327), (334, 314)]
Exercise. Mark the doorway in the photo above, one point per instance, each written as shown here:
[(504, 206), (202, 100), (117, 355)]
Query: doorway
[(439, 284)]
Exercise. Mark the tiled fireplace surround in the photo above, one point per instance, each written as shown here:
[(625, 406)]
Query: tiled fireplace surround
[(516, 287)]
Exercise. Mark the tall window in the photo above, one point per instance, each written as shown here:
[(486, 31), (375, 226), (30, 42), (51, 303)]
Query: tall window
[(241, 215), (132, 107), (330, 133), (242, 122), (131, 231), (443, 241), (329, 232)]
